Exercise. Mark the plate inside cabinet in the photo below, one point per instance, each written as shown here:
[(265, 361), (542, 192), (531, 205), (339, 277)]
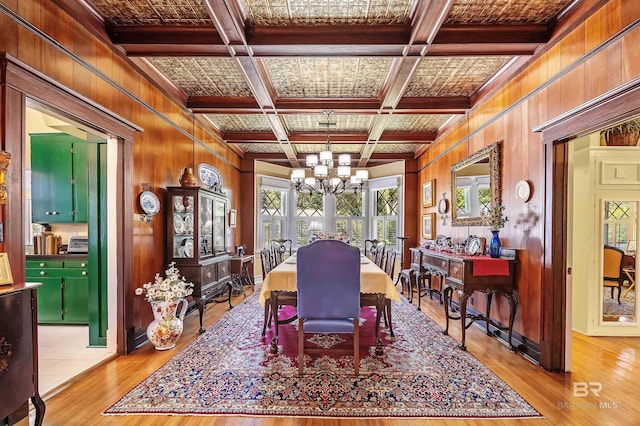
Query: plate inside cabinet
[(150, 203), (209, 175), (523, 191), (178, 224)]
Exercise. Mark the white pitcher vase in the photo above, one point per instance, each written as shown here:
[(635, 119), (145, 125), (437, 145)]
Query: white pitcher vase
[(166, 328)]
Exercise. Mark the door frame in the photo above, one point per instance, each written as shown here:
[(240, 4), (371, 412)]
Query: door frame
[(612, 107), (19, 82)]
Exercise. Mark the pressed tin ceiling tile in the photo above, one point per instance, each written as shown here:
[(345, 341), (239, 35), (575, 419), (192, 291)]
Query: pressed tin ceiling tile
[(154, 12), (240, 122), (504, 11), (416, 122), (453, 76), (390, 148), (327, 77), (341, 148), (311, 122), (204, 76), (327, 12)]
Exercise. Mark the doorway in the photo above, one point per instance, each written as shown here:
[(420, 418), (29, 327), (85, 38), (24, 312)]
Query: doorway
[(73, 337), (602, 180)]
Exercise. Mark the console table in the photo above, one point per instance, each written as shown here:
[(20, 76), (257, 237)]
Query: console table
[(19, 350), (468, 274)]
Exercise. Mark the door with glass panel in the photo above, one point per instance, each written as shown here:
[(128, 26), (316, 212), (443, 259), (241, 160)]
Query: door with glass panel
[(618, 279)]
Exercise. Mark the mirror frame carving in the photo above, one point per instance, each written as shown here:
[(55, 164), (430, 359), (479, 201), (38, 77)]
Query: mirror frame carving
[(495, 175)]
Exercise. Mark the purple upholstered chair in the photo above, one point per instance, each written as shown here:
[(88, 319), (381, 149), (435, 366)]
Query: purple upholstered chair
[(328, 281)]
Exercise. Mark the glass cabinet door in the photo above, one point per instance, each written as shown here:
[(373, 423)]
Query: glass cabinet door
[(183, 238), (219, 220), (206, 226)]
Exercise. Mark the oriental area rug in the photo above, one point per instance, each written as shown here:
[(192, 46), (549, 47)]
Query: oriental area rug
[(228, 370)]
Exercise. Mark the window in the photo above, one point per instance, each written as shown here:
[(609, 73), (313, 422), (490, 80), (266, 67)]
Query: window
[(618, 223), (385, 215), (349, 217), (273, 214), (309, 217)]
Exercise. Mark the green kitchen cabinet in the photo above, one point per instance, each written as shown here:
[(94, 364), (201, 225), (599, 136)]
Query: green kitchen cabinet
[(63, 297), (59, 187)]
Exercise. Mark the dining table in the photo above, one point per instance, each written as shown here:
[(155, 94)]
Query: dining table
[(375, 285)]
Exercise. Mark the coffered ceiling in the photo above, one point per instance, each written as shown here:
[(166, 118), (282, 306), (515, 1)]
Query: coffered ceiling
[(263, 72)]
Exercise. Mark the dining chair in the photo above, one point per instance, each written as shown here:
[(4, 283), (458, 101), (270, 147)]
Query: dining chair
[(277, 299), (328, 284), (278, 250), (265, 260), (374, 250), (612, 275)]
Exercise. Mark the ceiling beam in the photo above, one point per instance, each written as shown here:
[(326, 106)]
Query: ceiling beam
[(231, 105), (334, 41), (336, 138)]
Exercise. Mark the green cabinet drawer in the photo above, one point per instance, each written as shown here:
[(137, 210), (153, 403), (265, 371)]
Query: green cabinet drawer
[(44, 263), (76, 263), (45, 272), (75, 272)]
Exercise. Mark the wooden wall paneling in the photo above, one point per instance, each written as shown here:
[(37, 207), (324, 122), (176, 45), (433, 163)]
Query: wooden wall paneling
[(596, 29), (12, 135), (8, 34), (553, 61), (572, 88), (614, 65), (630, 64), (595, 73), (572, 47), (629, 12)]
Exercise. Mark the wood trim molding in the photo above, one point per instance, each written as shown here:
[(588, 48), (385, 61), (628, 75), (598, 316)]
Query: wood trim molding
[(613, 106), (42, 88)]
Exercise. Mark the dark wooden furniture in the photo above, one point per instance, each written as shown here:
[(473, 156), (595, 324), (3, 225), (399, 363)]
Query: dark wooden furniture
[(458, 273), (240, 269), (196, 230), (19, 350)]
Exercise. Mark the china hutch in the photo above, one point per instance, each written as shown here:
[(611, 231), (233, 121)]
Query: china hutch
[(196, 230)]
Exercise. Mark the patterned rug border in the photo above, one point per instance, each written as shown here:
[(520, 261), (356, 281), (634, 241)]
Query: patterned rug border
[(224, 321)]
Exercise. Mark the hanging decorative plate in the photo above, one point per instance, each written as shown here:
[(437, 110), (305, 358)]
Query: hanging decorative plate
[(149, 202), (210, 176), (523, 191)]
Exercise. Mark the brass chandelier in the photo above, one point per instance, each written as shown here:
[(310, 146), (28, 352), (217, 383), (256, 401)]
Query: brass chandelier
[(327, 179)]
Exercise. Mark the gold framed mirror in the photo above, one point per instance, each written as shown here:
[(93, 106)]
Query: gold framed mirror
[(475, 186)]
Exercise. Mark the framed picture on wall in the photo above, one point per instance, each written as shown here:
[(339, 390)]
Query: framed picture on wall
[(428, 191), (428, 226)]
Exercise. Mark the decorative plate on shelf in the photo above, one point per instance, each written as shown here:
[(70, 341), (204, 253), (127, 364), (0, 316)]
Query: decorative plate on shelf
[(178, 224), (473, 246), (188, 224), (209, 175), (149, 202), (177, 204)]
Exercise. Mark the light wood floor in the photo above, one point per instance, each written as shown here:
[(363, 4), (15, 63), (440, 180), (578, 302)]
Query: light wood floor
[(612, 362)]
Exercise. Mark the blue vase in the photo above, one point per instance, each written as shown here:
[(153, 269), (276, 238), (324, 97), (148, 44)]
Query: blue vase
[(494, 244)]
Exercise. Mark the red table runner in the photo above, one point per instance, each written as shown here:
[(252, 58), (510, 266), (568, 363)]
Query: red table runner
[(490, 266)]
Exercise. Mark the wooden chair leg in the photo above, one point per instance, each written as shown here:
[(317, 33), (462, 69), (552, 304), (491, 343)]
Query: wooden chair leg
[(356, 346), (267, 316), (300, 346)]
